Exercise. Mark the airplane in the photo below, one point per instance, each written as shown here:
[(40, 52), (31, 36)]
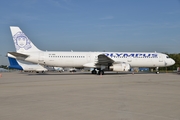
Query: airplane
[(101, 61), (59, 69), (28, 66), (25, 66)]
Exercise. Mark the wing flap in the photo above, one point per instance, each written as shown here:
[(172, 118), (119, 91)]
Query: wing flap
[(104, 60)]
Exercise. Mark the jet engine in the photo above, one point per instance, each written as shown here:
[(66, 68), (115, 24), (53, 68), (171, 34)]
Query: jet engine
[(120, 67)]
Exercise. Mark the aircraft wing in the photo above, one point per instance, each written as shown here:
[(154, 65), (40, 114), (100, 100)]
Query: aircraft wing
[(104, 60), (18, 55)]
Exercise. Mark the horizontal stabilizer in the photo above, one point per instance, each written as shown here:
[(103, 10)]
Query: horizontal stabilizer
[(18, 55)]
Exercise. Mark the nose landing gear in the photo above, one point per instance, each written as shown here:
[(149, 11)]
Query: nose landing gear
[(157, 70)]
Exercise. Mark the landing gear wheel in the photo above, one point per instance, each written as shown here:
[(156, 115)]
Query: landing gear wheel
[(157, 72), (94, 72), (101, 72)]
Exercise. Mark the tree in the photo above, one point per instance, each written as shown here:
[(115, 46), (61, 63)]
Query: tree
[(176, 58)]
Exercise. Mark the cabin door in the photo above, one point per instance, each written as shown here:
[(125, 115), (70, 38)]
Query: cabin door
[(160, 59), (88, 57), (41, 58)]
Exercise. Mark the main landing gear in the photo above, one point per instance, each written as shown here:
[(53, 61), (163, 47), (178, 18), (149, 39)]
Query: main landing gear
[(98, 72), (101, 72), (94, 71)]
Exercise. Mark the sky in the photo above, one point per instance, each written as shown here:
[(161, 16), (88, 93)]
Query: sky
[(92, 25)]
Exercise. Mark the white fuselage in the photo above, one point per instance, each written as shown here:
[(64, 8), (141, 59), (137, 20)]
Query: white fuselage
[(81, 59)]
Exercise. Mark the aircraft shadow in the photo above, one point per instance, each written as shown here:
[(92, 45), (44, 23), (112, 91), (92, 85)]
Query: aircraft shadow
[(88, 73)]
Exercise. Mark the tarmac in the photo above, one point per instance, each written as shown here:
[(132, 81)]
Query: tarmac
[(83, 96)]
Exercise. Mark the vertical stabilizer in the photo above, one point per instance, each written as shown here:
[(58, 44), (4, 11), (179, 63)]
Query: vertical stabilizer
[(21, 41), (14, 64)]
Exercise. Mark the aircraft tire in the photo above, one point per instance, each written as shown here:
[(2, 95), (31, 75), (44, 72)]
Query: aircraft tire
[(101, 72), (93, 72)]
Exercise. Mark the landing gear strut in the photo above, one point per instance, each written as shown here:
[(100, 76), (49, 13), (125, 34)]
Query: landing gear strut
[(157, 70)]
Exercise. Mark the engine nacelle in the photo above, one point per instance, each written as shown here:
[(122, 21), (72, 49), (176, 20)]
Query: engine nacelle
[(120, 67)]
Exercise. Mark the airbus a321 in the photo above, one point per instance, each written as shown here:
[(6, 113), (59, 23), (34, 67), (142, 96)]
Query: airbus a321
[(115, 61)]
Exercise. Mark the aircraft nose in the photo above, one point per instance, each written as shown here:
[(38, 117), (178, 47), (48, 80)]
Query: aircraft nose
[(172, 62)]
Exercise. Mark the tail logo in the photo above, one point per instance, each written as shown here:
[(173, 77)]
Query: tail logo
[(21, 41)]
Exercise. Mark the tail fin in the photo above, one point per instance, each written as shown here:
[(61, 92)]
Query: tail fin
[(26, 66), (14, 64), (21, 41)]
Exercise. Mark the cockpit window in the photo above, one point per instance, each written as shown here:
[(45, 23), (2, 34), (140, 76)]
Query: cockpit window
[(167, 56)]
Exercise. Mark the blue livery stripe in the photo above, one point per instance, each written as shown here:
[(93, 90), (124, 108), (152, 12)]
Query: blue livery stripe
[(14, 64)]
